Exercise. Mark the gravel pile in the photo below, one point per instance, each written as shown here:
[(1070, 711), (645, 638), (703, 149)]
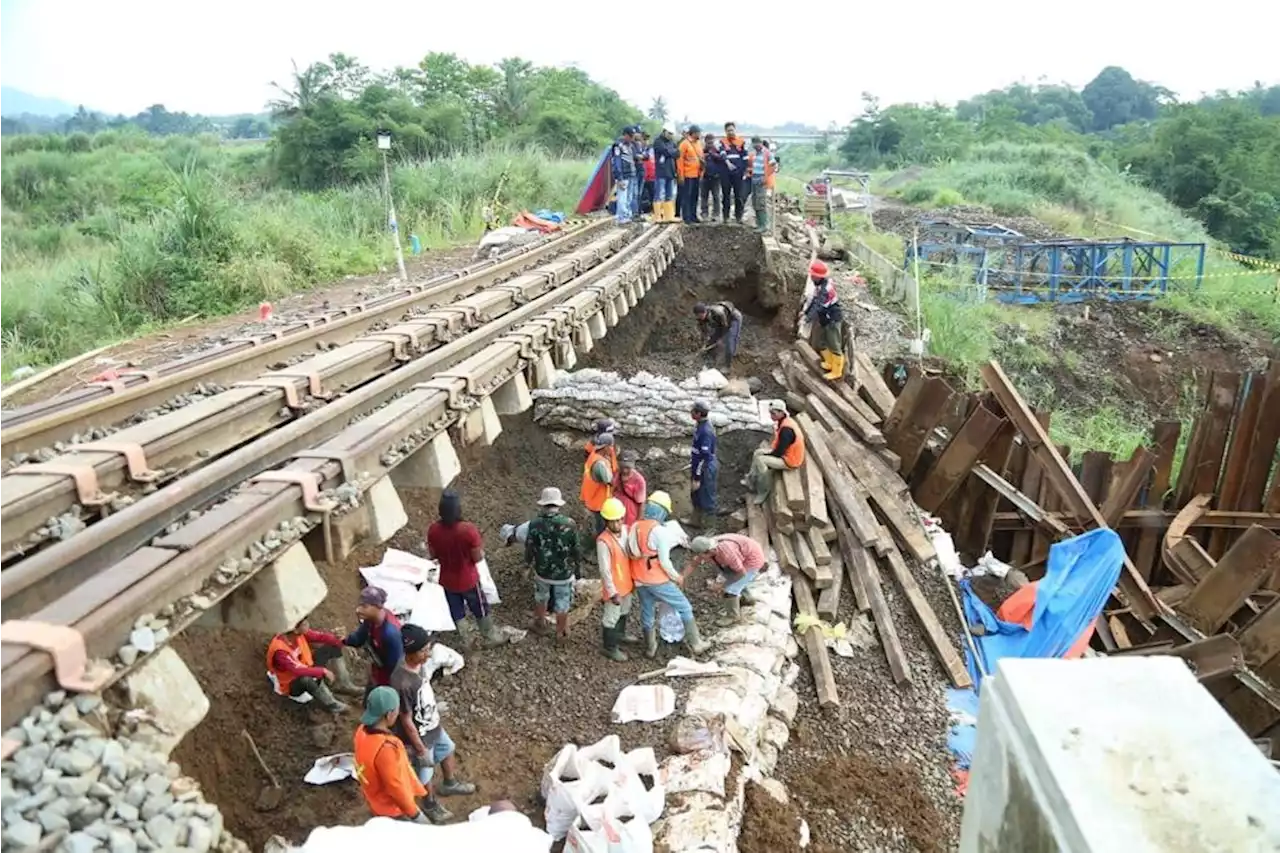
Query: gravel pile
[(86, 778)]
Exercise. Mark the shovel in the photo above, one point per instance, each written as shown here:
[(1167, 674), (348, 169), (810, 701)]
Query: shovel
[(268, 798)]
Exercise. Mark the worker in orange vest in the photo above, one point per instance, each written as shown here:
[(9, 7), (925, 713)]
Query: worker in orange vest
[(688, 173), (649, 545), (599, 473), (615, 572), (760, 168), (787, 451), (304, 664), (386, 778)]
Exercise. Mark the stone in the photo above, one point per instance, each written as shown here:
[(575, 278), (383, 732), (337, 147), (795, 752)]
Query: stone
[(75, 786), (113, 760), (101, 791), (121, 841), (42, 795), (162, 831), (80, 842), (155, 804), (87, 703), (56, 698), (99, 830), (74, 761), (143, 840), (22, 834), (87, 812), (143, 639), (136, 794), (127, 812), (206, 810), (199, 836), (157, 784), (127, 654)]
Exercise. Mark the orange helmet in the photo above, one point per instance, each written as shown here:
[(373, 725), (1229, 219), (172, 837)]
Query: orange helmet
[(818, 269)]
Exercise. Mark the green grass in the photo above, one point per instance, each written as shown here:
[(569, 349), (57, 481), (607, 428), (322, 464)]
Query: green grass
[(133, 233)]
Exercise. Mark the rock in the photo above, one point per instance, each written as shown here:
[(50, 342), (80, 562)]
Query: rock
[(200, 602), (143, 639), (87, 812), (126, 812), (87, 702), (127, 654), (99, 830), (74, 761), (162, 831), (22, 834), (41, 796), (157, 783), (80, 842), (155, 804), (199, 836), (112, 760), (121, 841), (206, 810), (56, 698), (136, 794), (101, 791), (76, 786)]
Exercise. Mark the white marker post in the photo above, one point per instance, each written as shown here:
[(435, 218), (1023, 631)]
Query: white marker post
[(384, 145)]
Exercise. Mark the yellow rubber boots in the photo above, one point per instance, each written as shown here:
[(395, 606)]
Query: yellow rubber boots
[(835, 367)]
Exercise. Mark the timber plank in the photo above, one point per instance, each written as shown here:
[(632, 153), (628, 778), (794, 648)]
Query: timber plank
[(1023, 542), (815, 645), (976, 535), (806, 383), (905, 403), (1234, 469), (782, 543), (792, 484), (931, 405), (943, 648), (958, 459), (757, 527), (1260, 639), (849, 394), (821, 552), (852, 555), (783, 520), (873, 385), (865, 569), (1263, 453), (1237, 575), (1133, 475), (887, 495), (829, 598), (808, 565), (815, 489), (1223, 387), (839, 485)]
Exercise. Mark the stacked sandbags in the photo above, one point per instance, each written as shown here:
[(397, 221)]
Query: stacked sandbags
[(645, 405)]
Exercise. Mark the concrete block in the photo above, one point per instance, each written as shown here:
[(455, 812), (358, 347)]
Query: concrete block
[(610, 314), (1113, 754), (582, 337), (482, 425), (346, 531), (566, 357), (512, 397), (386, 512), (620, 303), (632, 292), (598, 325), (168, 687), (433, 466), (544, 369), (275, 598)]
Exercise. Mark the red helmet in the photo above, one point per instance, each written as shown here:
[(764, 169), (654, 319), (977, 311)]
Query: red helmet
[(818, 269)]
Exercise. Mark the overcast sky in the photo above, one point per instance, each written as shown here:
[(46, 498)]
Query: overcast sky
[(220, 57)]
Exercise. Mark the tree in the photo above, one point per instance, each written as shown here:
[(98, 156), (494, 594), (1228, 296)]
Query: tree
[(658, 110), (1115, 97)]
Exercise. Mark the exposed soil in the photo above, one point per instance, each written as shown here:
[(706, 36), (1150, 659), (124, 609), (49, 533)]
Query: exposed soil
[(902, 219)]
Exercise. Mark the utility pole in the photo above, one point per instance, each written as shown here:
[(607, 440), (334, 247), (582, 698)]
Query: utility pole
[(384, 145)]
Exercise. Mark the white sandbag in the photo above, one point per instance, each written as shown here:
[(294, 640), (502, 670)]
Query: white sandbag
[(487, 586), (431, 609), (403, 566), (627, 834), (697, 771), (510, 832), (607, 751), (567, 799), (711, 379), (644, 702)]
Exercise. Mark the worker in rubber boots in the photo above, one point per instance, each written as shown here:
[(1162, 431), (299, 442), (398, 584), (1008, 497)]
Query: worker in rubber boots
[(760, 168), (551, 549), (736, 181), (648, 168), (721, 327), (823, 307), (688, 172), (420, 728), (386, 777), (786, 451), (378, 634), (598, 475), (704, 467), (713, 167), (630, 486), (457, 546), (649, 545), (665, 153), (615, 573), (303, 664), (622, 165), (739, 559)]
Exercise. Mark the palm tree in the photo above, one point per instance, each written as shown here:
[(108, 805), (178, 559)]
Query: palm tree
[(512, 101), (658, 110), (309, 85)]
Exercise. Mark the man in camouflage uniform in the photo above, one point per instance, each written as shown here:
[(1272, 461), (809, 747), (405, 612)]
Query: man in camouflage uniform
[(551, 548)]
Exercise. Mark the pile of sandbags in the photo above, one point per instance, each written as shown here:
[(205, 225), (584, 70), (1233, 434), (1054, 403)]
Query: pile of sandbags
[(602, 799), (645, 405)]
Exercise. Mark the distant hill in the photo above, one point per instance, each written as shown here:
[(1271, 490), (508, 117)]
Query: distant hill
[(15, 102)]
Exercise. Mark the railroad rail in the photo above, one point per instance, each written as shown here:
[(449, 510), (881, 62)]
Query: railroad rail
[(28, 429), (96, 479), (402, 414)]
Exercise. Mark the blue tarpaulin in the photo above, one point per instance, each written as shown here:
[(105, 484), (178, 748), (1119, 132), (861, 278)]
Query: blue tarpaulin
[(1080, 577)]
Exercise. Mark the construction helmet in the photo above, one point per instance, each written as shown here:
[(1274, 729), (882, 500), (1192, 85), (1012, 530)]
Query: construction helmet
[(613, 510), (818, 269), (662, 499)]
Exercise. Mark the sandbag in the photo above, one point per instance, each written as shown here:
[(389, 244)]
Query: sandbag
[(510, 832)]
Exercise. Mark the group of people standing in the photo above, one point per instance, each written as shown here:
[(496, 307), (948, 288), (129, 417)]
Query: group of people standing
[(697, 179)]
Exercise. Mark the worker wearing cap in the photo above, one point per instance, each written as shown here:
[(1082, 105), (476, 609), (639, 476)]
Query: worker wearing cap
[(419, 726), (713, 170), (382, 767), (615, 573), (721, 327), (739, 559), (630, 486), (649, 545), (598, 474), (735, 182), (602, 426), (689, 168), (551, 549), (760, 169), (622, 161), (304, 664), (823, 306), (378, 634), (704, 466), (665, 153), (786, 452)]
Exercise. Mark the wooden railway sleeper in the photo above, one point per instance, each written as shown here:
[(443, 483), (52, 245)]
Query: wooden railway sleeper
[(85, 476), (135, 458)]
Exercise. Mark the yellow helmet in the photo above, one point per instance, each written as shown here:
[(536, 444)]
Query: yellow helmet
[(613, 510), (662, 499)]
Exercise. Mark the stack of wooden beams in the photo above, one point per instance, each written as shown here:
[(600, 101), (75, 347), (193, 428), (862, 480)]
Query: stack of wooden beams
[(846, 516)]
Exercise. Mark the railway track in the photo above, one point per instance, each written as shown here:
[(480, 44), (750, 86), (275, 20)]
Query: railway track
[(238, 517), (66, 417), (52, 500)]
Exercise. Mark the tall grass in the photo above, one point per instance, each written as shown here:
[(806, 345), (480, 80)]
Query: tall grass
[(112, 239)]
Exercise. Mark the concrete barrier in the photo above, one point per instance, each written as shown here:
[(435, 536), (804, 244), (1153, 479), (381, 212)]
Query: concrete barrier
[(275, 598), (168, 687), (1110, 754), (894, 282)]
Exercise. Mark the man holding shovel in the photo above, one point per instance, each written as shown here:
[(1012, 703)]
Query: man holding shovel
[(721, 325)]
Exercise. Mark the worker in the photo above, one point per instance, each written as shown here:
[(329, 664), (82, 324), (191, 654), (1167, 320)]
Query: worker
[(602, 426), (739, 559), (382, 767), (598, 474), (457, 546), (704, 466), (688, 172), (721, 326), (823, 306), (787, 451), (664, 183), (304, 664), (712, 176), (551, 549), (378, 634), (760, 167), (649, 545), (630, 487), (645, 201), (420, 729), (615, 573), (734, 180), (622, 162)]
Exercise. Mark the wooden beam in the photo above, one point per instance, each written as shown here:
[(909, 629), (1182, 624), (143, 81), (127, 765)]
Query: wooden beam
[(873, 385), (782, 543), (1234, 469), (890, 495), (1260, 639), (804, 557), (1241, 570), (821, 553), (905, 403), (852, 556), (783, 520), (1029, 484), (1133, 477), (815, 489), (958, 459), (806, 383), (840, 487), (863, 574), (829, 598), (1263, 453), (815, 645), (792, 485), (757, 528), (809, 356), (1052, 523), (931, 404), (943, 648)]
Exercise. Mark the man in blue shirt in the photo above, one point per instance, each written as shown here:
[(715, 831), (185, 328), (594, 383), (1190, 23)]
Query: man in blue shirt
[(623, 167), (704, 467)]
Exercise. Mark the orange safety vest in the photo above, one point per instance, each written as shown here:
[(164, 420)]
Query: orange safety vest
[(379, 791), (619, 566), (280, 679), (646, 569), (768, 168), (690, 162), (593, 494), (794, 457)]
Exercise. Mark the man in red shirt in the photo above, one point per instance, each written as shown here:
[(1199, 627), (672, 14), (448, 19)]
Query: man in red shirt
[(457, 545), (630, 487), (302, 664)]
